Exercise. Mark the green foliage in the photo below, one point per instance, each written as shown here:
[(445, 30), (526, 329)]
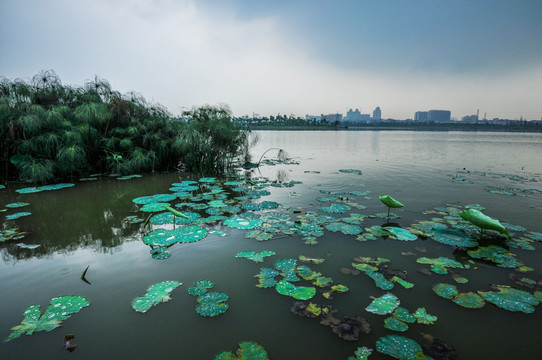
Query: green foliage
[(248, 350), (155, 294)]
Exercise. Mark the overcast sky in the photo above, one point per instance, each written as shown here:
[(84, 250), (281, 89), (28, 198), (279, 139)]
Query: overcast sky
[(300, 57)]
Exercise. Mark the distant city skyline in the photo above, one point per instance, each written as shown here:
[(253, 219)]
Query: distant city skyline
[(300, 57)]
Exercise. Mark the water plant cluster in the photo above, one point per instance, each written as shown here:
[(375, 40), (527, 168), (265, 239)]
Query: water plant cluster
[(54, 131)]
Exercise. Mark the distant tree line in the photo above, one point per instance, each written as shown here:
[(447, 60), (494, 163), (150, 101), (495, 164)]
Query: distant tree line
[(52, 131)]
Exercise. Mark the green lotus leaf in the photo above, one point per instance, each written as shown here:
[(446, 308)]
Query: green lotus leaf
[(305, 272), (248, 350), (212, 304), (255, 256), (200, 287), (380, 280), (383, 305), (322, 281), (459, 279), (335, 209), (144, 200), (326, 198), (264, 236), (160, 253), (132, 219), (154, 207), (284, 287), (483, 221), (395, 324), (156, 293), (129, 177), (241, 223), (169, 218), (60, 309), (469, 300), (339, 288), (314, 309), (29, 190), (534, 235), (495, 254), (440, 265), (445, 290), (454, 238), (404, 315), (401, 234), (351, 229), (17, 215), (403, 283), (390, 202), (511, 299), (163, 237), (285, 264), (362, 353), (207, 180), (400, 347), (313, 260), (17, 205), (423, 317), (2, 187), (55, 186)]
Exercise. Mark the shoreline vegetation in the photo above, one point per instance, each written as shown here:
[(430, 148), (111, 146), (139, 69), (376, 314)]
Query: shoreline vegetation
[(51, 132)]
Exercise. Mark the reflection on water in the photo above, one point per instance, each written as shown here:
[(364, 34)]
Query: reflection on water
[(83, 226)]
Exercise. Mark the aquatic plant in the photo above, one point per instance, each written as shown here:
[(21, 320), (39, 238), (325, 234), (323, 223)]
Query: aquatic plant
[(361, 353), (483, 221), (255, 256), (390, 202), (400, 347), (383, 305), (212, 303), (248, 350), (156, 293)]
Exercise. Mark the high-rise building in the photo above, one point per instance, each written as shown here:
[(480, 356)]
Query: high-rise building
[(439, 115), (420, 116), (377, 114)]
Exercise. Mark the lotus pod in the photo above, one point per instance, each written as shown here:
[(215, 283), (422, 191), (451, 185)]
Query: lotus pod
[(483, 221)]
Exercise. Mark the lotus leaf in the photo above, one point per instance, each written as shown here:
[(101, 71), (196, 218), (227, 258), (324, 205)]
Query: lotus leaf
[(17, 215), (495, 254), (264, 236), (241, 223), (380, 280), (284, 287), (160, 253), (454, 238), (156, 294), (401, 234), (483, 221), (285, 264), (351, 229), (16, 205), (403, 283), (255, 256), (154, 207), (402, 314), (60, 309), (511, 299), (212, 304), (335, 209), (390, 202), (351, 171), (335, 226), (395, 324), (306, 272), (445, 290), (162, 237), (56, 186), (313, 260), (423, 317), (362, 353), (469, 300), (314, 309), (440, 265), (200, 287), (248, 350), (459, 279), (534, 235), (322, 281), (29, 190), (129, 177), (383, 305), (144, 200), (132, 219), (400, 347), (167, 218), (326, 198)]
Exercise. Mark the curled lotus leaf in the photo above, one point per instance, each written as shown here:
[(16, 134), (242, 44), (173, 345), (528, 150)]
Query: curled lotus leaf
[(255, 256), (160, 253), (395, 324), (401, 234), (423, 317), (454, 238), (313, 260), (16, 205), (446, 291), (200, 287), (390, 202), (469, 300), (400, 347), (511, 299), (383, 305), (60, 309), (495, 254), (212, 303), (18, 215), (154, 207), (284, 287), (483, 221), (248, 350), (362, 353), (244, 224), (404, 315), (156, 293)]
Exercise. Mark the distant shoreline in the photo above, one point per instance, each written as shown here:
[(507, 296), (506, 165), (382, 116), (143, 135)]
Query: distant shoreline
[(413, 127)]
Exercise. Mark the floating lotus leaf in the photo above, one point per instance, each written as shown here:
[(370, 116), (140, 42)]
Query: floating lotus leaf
[(154, 207), (129, 177), (10, 234), (534, 235), (56, 186), (284, 287), (241, 223), (29, 190), (306, 272), (423, 317), (454, 238), (248, 350), (401, 234), (156, 294), (233, 183), (255, 256), (403, 283), (383, 305), (143, 200), (60, 309), (380, 280), (285, 264), (335, 209), (351, 229), (160, 253), (182, 194), (17, 205), (400, 347), (339, 288), (326, 198), (17, 215), (264, 236), (469, 300), (314, 309), (28, 246), (351, 171), (207, 180), (132, 219), (495, 254), (322, 281), (511, 299), (483, 221), (313, 260), (390, 202), (169, 218), (335, 226), (162, 237), (445, 290), (212, 304), (440, 265), (200, 287), (459, 279), (402, 314), (395, 324), (362, 353)]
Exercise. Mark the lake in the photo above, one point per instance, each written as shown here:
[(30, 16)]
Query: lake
[(434, 174)]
